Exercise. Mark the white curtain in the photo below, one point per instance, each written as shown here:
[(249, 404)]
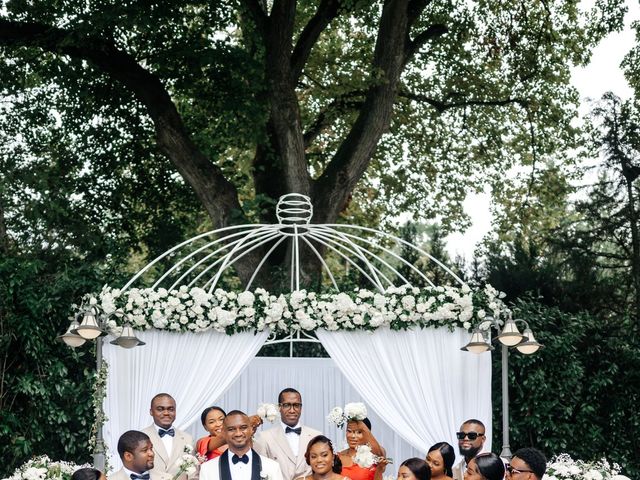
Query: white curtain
[(418, 381), (194, 368), (322, 387)]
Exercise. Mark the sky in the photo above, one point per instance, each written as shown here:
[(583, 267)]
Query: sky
[(601, 75)]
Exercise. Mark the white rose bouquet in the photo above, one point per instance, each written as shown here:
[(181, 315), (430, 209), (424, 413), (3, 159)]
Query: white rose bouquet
[(43, 468), (563, 467), (267, 411), (352, 411)]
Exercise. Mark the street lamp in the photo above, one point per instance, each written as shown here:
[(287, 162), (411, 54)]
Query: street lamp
[(93, 327), (509, 336)]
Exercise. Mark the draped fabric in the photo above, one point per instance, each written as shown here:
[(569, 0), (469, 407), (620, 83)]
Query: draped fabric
[(418, 381), (418, 386), (194, 368)]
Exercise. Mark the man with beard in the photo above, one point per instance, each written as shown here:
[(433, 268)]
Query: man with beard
[(470, 442), (136, 452)]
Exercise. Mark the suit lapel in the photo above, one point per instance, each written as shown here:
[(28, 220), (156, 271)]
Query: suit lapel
[(158, 444), (281, 439), (177, 447), (256, 465), (223, 466), (305, 437)]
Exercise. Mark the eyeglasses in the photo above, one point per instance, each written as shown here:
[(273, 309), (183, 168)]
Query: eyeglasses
[(514, 471), (469, 435), (288, 406)]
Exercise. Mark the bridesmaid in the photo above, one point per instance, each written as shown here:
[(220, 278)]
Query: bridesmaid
[(324, 462), (359, 433), (440, 458), (213, 444), (486, 466), (414, 469)]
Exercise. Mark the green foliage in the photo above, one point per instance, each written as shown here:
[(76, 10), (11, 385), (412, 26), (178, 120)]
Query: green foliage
[(46, 390), (579, 394)]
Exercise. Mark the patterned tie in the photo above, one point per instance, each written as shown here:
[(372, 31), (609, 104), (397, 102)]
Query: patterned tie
[(143, 476), (162, 432), (244, 459), (297, 431)]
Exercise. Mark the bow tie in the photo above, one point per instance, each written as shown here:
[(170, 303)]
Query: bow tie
[(297, 431), (162, 432), (143, 476), (235, 459)]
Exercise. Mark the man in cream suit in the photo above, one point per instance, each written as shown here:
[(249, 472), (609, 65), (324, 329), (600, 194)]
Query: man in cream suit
[(287, 443), (168, 442), (471, 439), (239, 461), (136, 452)]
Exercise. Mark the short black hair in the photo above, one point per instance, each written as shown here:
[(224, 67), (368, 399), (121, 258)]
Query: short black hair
[(490, 466), (86, 473), (418, 467), (534, 458), (160, 395), (129, 440), (448, 456), (287, 390), (233, 413), (474, 421), (205, 412), (365, 420)]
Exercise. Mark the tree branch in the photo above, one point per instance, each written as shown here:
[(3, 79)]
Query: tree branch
[(442, 106), (326, 11), (257, 13), (432, 32), (327, 115)]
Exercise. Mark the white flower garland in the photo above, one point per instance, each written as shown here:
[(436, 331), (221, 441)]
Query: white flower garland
[(43, 468), (563, 467), (196, 310)]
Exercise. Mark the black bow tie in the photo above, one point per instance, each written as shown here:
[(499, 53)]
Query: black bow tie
[(162, 432), (143, 476), (297, 431), (244, 459)]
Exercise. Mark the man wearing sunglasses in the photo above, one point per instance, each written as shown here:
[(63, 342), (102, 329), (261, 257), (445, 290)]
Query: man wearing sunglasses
[(527, 464), (287, 443), (471, 439)]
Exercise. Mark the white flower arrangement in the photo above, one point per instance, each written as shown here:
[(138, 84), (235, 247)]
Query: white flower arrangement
[(43, 468), (563, 467), (365, 457), (196, 310), (268, 411), (187, 463), (352, 411), (264, 475)]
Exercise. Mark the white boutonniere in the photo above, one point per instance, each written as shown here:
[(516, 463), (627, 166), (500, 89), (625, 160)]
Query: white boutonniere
[(264, 475)]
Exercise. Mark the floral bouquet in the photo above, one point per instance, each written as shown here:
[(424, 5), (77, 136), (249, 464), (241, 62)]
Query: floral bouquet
[(352, 411), (365, 458), (563, 467), (267, 411), (43, 468), (187, 464)]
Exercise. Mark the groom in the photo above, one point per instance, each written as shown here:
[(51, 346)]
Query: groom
[(239, 461)]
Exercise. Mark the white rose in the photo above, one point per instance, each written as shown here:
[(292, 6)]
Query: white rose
[(246, 299)]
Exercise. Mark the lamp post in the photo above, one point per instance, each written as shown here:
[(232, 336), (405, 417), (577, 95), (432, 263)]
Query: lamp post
[(93, 326), (508, 337)]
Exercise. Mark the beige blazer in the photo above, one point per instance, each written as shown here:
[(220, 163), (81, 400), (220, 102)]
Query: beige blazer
[(121, 475), (458, 470), (273, 444), (165, 462)]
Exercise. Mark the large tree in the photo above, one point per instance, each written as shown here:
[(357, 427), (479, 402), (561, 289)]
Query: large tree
[(421, 100)]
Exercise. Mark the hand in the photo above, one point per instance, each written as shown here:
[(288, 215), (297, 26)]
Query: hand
[(255, 421)]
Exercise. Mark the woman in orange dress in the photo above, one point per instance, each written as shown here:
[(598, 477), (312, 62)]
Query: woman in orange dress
[(213, 444), (359, 433)]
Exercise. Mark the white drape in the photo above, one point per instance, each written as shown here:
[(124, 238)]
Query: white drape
[(418, 381), (195, 368), (322, 386)]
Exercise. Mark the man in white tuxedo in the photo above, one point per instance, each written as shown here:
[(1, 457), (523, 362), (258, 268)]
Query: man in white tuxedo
[(168, 442), (286, 443), (239, 461), (136, 452), (471, 439)]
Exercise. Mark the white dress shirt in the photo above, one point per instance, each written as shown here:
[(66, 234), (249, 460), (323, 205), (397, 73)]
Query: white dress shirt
[(292, 438), (167, 440), (240, 470)]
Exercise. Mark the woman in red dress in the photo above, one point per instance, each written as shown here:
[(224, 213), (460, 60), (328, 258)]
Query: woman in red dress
[(359, 433), (213, 444)]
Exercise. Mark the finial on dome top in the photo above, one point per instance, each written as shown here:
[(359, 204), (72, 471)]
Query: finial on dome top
[(294, 209)]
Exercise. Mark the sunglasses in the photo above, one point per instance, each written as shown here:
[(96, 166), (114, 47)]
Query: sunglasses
[(469, 435), (514, 471)]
